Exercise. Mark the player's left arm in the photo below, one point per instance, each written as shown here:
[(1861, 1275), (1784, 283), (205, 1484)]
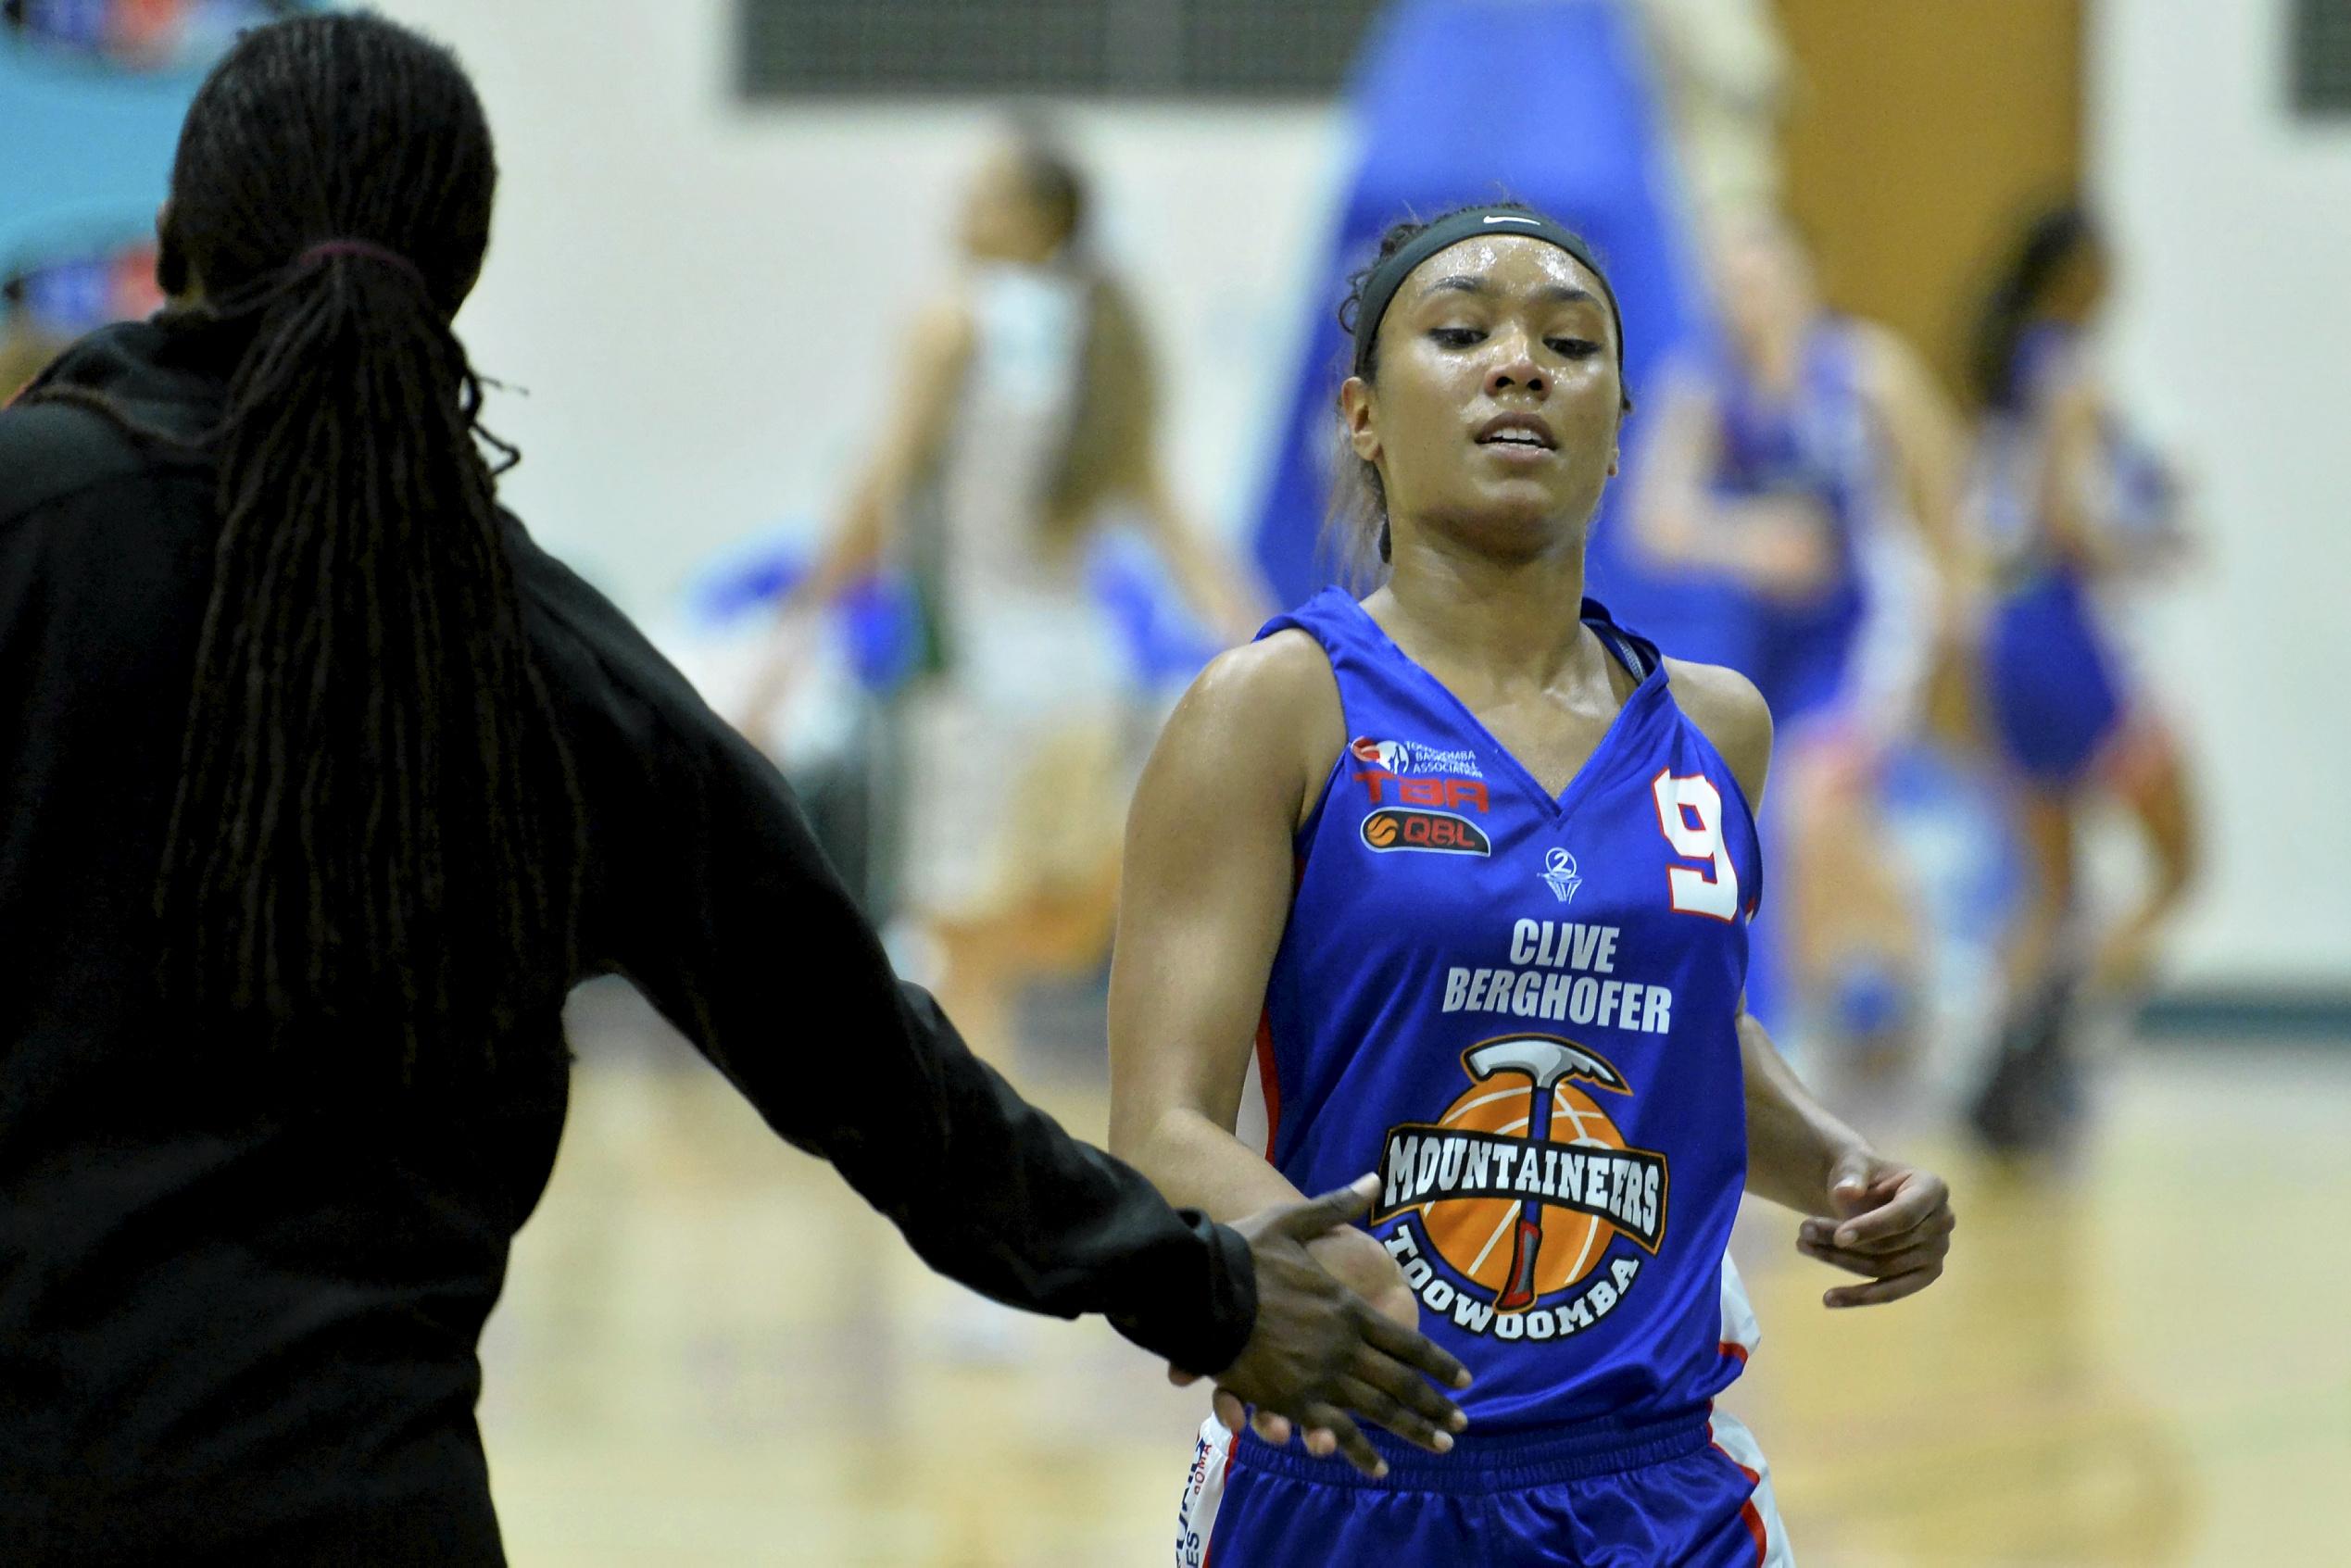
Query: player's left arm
[(1220, 589), (1923, 437), (1888, 1222), (1881, 1219)]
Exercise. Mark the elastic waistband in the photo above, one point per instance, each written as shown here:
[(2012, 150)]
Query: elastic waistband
[(1502, 1462)]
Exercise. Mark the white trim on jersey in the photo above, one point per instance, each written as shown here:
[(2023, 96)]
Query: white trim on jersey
[(1740, 1329), (1203, 1492)]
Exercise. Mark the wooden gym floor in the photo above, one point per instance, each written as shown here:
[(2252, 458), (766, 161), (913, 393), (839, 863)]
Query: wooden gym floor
[(710, 1353)]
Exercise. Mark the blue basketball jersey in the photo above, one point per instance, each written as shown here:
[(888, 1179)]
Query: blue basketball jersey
[(2054, 673), (1816, 442), (1520, 1009)]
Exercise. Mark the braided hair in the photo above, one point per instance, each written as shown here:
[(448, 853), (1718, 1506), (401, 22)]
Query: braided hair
[(376, 825)]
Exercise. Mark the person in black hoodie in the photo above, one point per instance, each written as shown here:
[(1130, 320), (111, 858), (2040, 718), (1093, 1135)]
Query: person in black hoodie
[(320, 786)]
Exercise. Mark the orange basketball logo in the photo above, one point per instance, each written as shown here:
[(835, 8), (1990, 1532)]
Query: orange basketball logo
[(1525, 1179), (1473, 1234), (1379, 831)]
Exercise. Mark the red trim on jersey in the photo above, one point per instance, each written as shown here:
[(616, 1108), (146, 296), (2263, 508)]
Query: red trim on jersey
[(1268, 1084), (1730, 1347)]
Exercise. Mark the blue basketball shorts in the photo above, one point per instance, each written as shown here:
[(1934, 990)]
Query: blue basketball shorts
[(1691, 1491), (2057, 692)]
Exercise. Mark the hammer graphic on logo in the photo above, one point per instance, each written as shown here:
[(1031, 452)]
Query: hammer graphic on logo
[(1546, 1062)]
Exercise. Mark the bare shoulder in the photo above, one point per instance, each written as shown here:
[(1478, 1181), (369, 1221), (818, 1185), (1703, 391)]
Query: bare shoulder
[(1280, 685), (1882, 350), (942, 331), (1731, 713), (1892, 367), (1268, 710)]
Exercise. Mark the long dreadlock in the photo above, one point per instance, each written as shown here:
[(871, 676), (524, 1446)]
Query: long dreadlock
[(376, 824)]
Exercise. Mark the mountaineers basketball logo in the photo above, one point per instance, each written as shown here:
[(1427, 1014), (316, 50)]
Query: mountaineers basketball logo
[(1414, 804), (1512, 1201)]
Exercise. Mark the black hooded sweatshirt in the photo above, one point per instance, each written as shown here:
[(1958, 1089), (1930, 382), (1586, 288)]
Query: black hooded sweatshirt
[(240, 1290)]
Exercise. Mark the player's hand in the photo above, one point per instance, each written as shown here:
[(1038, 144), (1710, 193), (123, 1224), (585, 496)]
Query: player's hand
[(1785, 552), (1358, 1261), (1321, 1351), (1889, 1223)]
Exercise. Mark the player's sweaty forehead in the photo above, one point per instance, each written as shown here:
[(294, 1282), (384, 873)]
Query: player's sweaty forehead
[(1505, 270)]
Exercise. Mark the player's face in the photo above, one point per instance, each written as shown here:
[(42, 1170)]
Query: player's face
[(1762, 282), (1497, 404), (2082, 284), (1001, 218)]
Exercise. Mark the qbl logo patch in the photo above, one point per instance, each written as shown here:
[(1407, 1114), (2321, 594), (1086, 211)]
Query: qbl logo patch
[(1400, 827)]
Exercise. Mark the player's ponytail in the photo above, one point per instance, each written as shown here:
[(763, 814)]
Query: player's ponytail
[(2017, 298), (1104, 448), (1117, 406), (375, 832)]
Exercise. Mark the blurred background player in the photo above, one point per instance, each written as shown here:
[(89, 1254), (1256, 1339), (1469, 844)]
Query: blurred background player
[(1808, 462), (1026, 419), (2079, 511), (1724, 74)]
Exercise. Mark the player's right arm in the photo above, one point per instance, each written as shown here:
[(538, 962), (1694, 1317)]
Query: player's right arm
[(1923, 435), (1204, 895), (1204, 891), (914, 432), (2073, 438), (1775, 544)]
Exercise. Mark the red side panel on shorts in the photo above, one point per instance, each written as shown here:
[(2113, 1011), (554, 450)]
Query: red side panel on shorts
[(1749, 1514), (1755, 1528)]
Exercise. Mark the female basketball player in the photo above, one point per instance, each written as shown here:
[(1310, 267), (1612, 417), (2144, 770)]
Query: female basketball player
[(319, 786), (1473, 867), (2075, 509), (1812, 461), (1028, 420)]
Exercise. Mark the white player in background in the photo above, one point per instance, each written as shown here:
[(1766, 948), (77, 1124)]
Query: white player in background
[(1026, 419)]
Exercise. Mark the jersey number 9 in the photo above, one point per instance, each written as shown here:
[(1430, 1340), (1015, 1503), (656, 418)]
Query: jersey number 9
[(1690, 815)]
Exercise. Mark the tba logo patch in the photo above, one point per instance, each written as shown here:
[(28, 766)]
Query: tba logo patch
[(1402, 827)]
